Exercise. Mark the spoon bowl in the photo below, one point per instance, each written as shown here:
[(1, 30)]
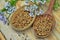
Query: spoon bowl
[(44, 24)]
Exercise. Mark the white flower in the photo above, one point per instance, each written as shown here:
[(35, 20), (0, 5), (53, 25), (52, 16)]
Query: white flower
[(11, 10), (37, 12), (41, 12), (31, 8), (35, 7), (37, 1), (26, 3), (7, 5), (27, 8), (42, 2), (31, 14)]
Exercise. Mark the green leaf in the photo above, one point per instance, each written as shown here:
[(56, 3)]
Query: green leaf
[(6, 0), (48, 0), (56, 5), (13, 2), (35, 1), (3, 10)]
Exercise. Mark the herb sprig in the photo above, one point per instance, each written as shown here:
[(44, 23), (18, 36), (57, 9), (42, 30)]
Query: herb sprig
[(56, 5), (12, 3), (3, 10)]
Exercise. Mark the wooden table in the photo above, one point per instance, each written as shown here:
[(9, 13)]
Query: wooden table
[(55, 35)]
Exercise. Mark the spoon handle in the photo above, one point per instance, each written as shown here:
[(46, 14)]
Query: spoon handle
[(51, 5)]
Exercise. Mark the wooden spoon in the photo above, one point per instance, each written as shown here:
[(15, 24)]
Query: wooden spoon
[(43, 24), (2, 37)]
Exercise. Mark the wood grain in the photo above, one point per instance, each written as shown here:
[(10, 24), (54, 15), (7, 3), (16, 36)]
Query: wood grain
[(57, 27)]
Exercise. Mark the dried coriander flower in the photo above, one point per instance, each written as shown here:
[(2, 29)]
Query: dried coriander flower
[(26, 2), (33, 8), (42, 1), (11, 10), (31, 14), (41, 12), (8, 8), (27, 8)]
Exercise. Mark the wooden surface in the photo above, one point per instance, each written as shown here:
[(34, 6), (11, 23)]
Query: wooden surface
[(55, 35)]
